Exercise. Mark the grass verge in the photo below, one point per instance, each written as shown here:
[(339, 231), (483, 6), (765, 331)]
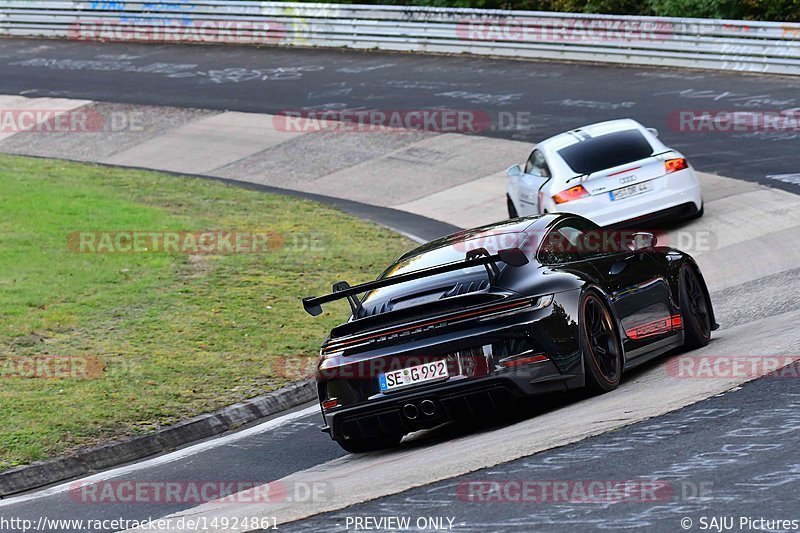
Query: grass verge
[(166, 335)]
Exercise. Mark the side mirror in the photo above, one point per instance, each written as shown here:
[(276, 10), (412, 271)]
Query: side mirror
[(643, 242), (653, 131), (513, 257), (514, 171)]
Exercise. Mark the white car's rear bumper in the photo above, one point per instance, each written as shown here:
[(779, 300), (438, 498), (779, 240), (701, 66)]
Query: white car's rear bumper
[(669, 192)]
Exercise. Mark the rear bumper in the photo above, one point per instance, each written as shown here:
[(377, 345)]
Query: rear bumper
[(670, 198), (480, 353), (686, 210), (453, 400)]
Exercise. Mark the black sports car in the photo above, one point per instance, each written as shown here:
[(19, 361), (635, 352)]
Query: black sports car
[(464, 325)]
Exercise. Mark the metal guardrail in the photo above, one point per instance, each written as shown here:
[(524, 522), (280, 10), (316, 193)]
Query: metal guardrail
[(766, 47)]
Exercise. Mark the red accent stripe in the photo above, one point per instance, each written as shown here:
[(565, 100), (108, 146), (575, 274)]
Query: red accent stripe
[(657, 327), (624, 171)]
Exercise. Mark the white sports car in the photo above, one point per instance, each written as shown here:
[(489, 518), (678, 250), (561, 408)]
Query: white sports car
[(611, 172)]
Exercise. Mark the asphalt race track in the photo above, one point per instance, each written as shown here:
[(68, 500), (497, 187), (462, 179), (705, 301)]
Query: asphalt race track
[(557, 96), (269, 454), (724, 456), (733, 448)]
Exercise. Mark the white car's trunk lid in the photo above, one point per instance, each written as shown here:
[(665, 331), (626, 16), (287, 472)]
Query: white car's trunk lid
[(624, 175)]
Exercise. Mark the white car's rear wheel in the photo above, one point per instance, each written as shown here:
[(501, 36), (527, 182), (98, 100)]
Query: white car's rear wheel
[(512, 210)]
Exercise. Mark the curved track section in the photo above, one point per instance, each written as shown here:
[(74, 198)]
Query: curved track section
[(552, 97), (722, 457), (747, 243)]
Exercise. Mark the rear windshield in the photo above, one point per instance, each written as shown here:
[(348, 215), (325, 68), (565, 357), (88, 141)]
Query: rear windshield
[(451, 252), (606, 151)]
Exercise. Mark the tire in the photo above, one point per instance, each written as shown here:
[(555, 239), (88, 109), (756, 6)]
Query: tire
[(699, 213), (512, 210), (695, 309), (369, 445), (600, 345)]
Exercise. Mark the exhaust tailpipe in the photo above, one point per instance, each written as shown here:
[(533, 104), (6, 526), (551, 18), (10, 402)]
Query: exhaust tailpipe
[(410, 411), (427, 407)]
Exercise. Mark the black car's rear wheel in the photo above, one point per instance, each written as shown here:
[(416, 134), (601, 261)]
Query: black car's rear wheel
[(602, 352), (370, 445), (695, 310), (512, 210)]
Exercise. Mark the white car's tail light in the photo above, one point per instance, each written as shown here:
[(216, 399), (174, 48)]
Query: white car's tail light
[(674, 165), (330, 404), (573, 193)]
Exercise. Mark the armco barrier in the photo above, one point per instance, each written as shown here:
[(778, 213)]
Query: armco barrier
[(768, 47)]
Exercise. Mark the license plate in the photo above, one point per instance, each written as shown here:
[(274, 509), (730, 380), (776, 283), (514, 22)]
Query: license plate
[(413, 375), (631, 190)]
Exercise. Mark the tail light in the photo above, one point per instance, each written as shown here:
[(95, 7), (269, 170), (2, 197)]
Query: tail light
[(481, 313), (541, 200), (523, 359), (674, 165), (330, 404), (573, 193)]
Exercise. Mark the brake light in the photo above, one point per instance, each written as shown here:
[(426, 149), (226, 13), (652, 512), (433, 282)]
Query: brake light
[(525, 360), (573, 193), (674, 165), (390, 333), (330, 404), (624, 171)]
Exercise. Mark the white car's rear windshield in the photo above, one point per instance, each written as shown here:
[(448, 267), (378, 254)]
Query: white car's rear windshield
[(606, 151)]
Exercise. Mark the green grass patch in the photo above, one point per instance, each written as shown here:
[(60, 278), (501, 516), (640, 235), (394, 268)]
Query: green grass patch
[(177, 334)]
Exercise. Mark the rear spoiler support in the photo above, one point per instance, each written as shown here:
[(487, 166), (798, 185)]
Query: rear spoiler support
[(355, 303), (479, 257), (492, 270)]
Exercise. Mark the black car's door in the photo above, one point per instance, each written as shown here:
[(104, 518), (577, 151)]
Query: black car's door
[(639, 292), (640, 295)]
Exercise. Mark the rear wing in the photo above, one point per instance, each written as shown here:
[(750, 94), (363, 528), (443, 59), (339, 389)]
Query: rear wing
[(587, 176), (479, 257)]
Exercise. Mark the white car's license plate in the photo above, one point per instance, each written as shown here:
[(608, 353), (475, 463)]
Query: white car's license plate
[(413, 375), (631, 190)]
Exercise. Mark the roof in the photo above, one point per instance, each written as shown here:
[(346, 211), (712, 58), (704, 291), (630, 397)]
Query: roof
[(577, 135)]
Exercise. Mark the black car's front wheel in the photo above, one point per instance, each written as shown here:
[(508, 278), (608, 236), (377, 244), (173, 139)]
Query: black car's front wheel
[(602, 351), (695, 310), (370, 445)]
